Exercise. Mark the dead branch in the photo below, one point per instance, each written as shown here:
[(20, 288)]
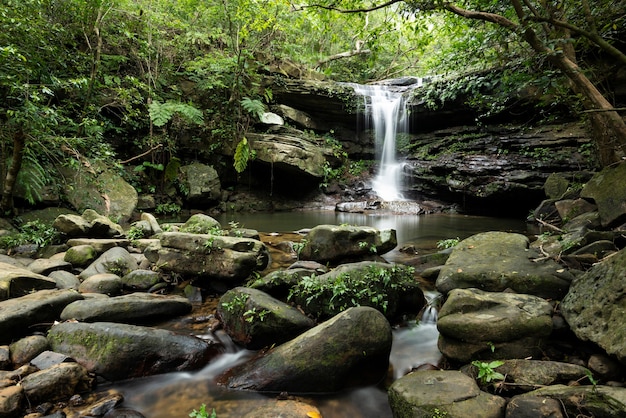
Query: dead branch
[(143, 154)]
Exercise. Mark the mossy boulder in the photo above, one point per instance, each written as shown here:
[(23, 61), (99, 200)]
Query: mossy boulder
[(607, 188), (119, 351), (350, 349), (256, 320)]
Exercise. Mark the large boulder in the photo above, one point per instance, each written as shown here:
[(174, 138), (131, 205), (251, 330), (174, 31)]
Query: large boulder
[(350, 349), (201, 182), (17, 281), (116, 261), (336, 243), (119, 351), (256, 320), (134, 308), (594, 306), (496, 261), (390, 288), (206, 256), (439, 393), (19, 314), (608, 190), (474, 324), (106, 192), (575, 401)]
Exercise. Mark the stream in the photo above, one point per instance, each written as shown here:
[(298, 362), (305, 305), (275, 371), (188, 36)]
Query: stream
[(414, 342)]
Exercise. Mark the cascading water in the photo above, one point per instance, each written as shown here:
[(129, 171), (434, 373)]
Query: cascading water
[(386, 115)]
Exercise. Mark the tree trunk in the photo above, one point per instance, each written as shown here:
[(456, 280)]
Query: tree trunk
[(19, 141)]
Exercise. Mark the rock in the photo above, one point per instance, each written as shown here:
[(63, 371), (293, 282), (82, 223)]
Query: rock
[(80, 255), (208, 257), (286, 408), (269, 118), (495, 261), (201, 224), (103, 283), (555, 186), (474, 324), (56, 383), (589, 401), (101, 245), (19, 314), (134, 308), (47, 359), (106, 404), (119, 199), (117, 261), (594, 305), (289, 153), (45, 266), (527, 375), (256, 320), (390, 288), (570, 208), (433, 393), (279, 282), (350, 349), (534, 407), (141, 279), (300, 118), (27, 348), (72, 225), (16, 281), (11, 398), (604, 367), (332, 243), (5, 357), (65, 279), (155, 228), (102, 226), (608, 190), (120, 351), (201, 182)]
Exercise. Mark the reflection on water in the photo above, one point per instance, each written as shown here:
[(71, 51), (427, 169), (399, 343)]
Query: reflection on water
[(414, 343)]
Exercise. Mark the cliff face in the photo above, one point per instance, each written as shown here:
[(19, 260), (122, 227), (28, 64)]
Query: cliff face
[(498, 168)]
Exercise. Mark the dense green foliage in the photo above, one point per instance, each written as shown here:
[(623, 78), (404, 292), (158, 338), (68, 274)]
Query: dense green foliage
[(140, 80)]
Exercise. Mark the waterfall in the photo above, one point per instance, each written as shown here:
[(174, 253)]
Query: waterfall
[(386, 115)]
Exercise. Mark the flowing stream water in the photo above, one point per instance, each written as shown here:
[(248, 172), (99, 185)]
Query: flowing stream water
[(386, 114)]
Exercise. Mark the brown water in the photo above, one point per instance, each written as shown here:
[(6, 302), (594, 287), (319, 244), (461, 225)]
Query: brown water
[(175, 395)]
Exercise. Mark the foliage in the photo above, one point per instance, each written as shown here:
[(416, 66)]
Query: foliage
[(33, 232), (486, 371), (367, 288), (162, 113), (169, 208), (243, 154), (202, 413), (448, 243)]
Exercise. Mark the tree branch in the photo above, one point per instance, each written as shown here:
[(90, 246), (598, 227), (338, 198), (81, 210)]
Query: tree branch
[(337, 9), (485, 16), (341, 55)]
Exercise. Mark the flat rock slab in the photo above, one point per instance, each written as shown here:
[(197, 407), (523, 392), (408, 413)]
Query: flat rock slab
[(120, 351), (16, 281), (452, 394), (19, 314), (496, 261), (135, 308)]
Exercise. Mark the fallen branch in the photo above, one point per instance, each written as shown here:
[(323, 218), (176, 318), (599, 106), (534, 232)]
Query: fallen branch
[(341, 55), (143, 154), (550, 226)]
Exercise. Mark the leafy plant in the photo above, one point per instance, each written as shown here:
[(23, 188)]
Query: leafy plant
[(169, 208), (202, 413), (448, 243), (486, 371), (33, 232), (243, 154)]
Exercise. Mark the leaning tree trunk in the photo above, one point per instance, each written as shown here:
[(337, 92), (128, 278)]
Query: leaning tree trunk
[(19, 141)]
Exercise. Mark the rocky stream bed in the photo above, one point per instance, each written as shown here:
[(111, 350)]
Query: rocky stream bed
[(529, 326)]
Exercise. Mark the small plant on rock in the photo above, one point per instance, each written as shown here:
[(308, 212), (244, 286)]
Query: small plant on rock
[(487, 373), (448, 243), (202, 413)]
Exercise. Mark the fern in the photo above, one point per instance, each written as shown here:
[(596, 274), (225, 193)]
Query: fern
[(162, 113), (242, 155), (32, 179), (253, 106)]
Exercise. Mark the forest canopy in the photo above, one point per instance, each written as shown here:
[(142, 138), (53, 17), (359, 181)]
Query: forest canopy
[(112, 80)]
